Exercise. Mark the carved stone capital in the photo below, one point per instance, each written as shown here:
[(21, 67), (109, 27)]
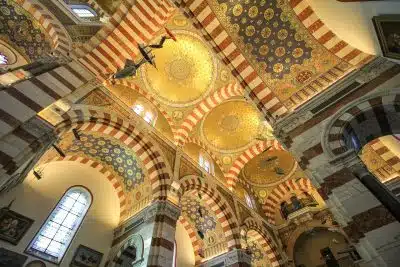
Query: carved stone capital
[(229, 258), (163, 208)]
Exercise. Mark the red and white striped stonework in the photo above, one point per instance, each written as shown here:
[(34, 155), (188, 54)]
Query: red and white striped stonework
[(99, 10), (216, 202), (146, 95), (275, 198), (196, 242), (206, 148), (263, 238), (326, 37), (20, 104), (58, 34), (386, 154), (246, 156), (206, 21), (132, 24), (123, 206), (96, 120), (356, 115), (219, 96)]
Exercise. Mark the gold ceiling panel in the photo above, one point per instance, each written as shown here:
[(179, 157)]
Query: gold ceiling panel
[(185, 73), (231, 125), (261, 169)]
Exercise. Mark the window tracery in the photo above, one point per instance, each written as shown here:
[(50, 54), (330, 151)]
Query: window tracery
[(56, 234)]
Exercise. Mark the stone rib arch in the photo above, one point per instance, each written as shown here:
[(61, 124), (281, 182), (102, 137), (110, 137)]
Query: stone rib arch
[(326, 37), (96, 120), (218, 204), (275, 197), (204, 107), (61, 41), (146, 95), (266, 242), (105, 170), (381, 111), (246, 156)]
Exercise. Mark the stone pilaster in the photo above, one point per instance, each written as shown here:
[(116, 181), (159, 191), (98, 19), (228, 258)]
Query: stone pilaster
[(155, 225)]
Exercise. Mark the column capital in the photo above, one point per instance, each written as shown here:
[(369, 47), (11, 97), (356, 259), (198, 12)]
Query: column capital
[(236, 257), (163, 208)]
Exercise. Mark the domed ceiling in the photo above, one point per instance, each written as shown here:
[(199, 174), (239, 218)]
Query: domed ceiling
[(185, 73), (275, 42), (269, 168), (231, 125), (21, 31)]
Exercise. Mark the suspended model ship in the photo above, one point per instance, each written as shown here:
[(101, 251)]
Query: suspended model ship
[(131, 66)]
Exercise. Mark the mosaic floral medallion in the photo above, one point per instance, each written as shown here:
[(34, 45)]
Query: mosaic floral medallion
[(198, 214)]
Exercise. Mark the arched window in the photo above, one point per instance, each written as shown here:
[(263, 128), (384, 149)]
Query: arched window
[(146, 111), (56, 234), (83, 11), (206, 163), (249, 200)]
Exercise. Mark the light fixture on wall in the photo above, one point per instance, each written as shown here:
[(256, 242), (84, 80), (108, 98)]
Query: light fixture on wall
[(59, 151), (76, 134), (201, 234), (38, 173)]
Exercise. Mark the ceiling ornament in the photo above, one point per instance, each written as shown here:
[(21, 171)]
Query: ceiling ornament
[(186, 71), (278, 46), (262, 170), (25, 34), (122, 160), (198, 214), (131, 67), (231, 126)]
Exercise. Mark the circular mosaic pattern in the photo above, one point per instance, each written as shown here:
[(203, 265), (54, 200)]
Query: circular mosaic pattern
[(185, 73), (260, 23), (198, 214), (122, 160), (17, 26), (231, 125)]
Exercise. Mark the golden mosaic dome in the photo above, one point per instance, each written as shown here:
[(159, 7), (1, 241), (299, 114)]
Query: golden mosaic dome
[(261, 170), (185, 71), (231, 125)]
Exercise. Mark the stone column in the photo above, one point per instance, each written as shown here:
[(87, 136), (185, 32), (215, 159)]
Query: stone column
[(379, 190), (233, 258), (151, 232)]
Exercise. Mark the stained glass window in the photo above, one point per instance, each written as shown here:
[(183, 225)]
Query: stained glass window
[(146, 111), (83, 12), (3, 59), (56, 234), (249, 201), (205, 163)]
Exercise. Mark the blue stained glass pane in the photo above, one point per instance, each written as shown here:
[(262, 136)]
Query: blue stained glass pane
[(67, 203), (54, 248), (78, 208), (74, 195), (50, 230), (82, 199), (63, 235), (59, 215), (41, 243), (70, 221)]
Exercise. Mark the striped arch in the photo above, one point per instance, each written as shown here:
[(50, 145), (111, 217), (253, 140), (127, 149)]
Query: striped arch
[(96, 7), (146, 95), (96, 120), (219, 96), (136, 22), (206, 148), (59, 36), (326, 37), (386, 154), (379, 114), (196, 243), (205, 20), (246, 156), (218, 204), (106, 173), (264, 240), (275, 197)]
